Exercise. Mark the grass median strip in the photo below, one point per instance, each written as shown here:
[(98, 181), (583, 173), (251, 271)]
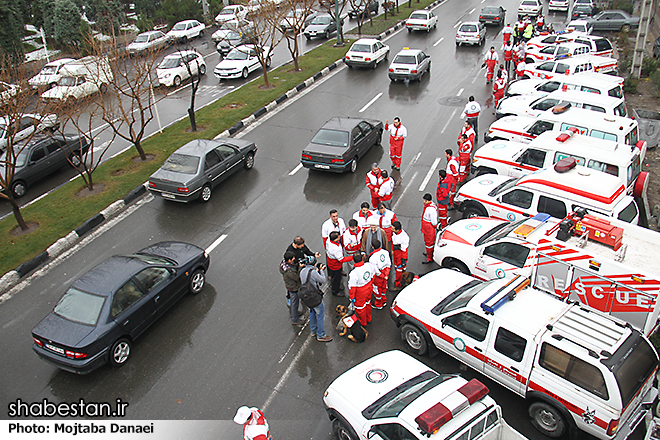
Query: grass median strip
[(63, 210)]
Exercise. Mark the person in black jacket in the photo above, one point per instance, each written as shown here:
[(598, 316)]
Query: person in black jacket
[(300, 249)]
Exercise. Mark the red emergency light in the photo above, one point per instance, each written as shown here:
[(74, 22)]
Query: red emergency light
[(566, 135)]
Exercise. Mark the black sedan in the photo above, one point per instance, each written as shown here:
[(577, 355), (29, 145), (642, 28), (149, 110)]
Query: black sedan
[(193, 170), (340, 143), (101, 314), (613, 20), (323, 26), (492, 15)]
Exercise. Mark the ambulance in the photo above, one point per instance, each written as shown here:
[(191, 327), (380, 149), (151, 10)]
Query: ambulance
[(605, 264), (394, 396), (577, 368), (571, 66), (555, 52), (535, 105), (608, 85)]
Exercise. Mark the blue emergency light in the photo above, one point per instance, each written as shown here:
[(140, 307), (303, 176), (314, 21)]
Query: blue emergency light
[(504, 294)]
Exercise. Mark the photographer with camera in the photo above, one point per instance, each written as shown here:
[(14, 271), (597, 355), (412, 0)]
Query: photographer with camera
[(290, 269), (300, 249), (313, 277)]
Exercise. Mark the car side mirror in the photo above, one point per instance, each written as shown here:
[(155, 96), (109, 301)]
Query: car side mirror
[(443, 323)]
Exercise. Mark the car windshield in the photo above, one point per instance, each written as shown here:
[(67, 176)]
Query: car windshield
[(499, 231), (21, 157), (321, 20), (237, 55), (405, 59), (49, 70), (402, 396), (529, 3), (79, 306), (154, 259), (179, 27), (361, 48), (181, 163), (468, 28), (170, 63), (142, 38), (458, 297), (227, 12), (334, 138), (504, 186), (490, 11), (232, 35), (67, 81), (418, 16)]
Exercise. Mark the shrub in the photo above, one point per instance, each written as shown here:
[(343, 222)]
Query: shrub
[(624, 5), (649, 64), (630, 85)]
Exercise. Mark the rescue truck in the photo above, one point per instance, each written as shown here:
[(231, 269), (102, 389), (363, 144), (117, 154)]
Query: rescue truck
[(394, 396), (608, 265), (517, 159), (577, 368)]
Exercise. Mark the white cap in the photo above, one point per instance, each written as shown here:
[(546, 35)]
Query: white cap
[(372, 221), (242, 415)]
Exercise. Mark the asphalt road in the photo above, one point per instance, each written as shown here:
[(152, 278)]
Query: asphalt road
[(233, 344)]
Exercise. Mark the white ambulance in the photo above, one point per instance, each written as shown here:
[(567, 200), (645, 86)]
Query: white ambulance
[(608, 85), (608, 265), (555, 52), (394, 396), (578, 369), (535, 105), (571, 66), (516, 159)]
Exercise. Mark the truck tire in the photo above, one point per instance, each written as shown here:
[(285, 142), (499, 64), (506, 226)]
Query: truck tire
[(474, 211), (457, 266), (341, 432), (547, 419), (414, 339)]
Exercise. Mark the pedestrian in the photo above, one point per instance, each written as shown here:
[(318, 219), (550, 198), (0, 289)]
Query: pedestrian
[(255, 425), (386, 190), (540, 23), (362, 216), (374, 231), (452, 174), (508, 55), (468, 131), (398, 134), (429, 225), (442, 195), (373, 182), (464, 157), (400, 243), (471, 112), (385, 219), (361, 287), (352, 238), (290, 269), (520, 53), (334, 223), (507, 32), (521, 29), (504, 73), (317, 314), (380, 259), (335, 258), (520, 69), (529, 32), (300, 249), (490, 62), (498, 90)]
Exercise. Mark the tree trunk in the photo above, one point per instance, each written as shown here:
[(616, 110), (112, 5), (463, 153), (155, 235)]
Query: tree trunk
[(17, 214), (138, 147), (266, 83), (295, 56), (191, 116)]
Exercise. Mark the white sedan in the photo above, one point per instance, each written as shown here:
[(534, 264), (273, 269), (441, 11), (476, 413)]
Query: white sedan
[(422, 20), (366, 52), (240, 62), (178, 67), (8, 92), (232, 12), (29, 123), (186, 30)]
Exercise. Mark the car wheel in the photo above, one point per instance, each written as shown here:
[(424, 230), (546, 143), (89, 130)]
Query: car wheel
[(414, 339), (327, 35), (202, 69), (268, 62), (341, 431), (245, 72), (354, 164), (547, 419), (308, 37), (183, 40), (409, 30), (482, 171), (197, 281), (120, 352), (103, 88), (474, 211), (177, 81), (625, 28), (458, 44), (18, 189), (387, 55), (205, 194), (249, 161), (51, 85), (375, 64), (75, 160), (457, 266), (379, 139)]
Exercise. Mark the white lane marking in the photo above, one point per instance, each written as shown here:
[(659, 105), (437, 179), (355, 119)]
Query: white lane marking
[(448, 121), (472, 10), (429, 174), (460, 92), (370, 102), (403, 193), (216, 243), (294, 341), (456, 25), (438, 42), (295, 170), (286, 374)]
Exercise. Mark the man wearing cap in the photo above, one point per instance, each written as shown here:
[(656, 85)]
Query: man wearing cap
[(373, 182), (255, 425), (374, 231), (429, 225), (471, 112)]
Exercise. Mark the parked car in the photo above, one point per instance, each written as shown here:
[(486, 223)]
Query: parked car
[(579, 26), (409, 64), (49, 75), (148, 41), (555, 52), (582, 11), (241, 26), (530, 8), (231, 40), (231, 12), (492, 15), (558, 5), (340, 143), (178, 67), (102, 313), (186, 30), (364, 10), (8, 92), (193, 170), (614, 20), (22, 128), (422, 20), (366, 52), (42, 156), (81, 79), (471, 32), (294, 18), (323, 26), (240, 62)]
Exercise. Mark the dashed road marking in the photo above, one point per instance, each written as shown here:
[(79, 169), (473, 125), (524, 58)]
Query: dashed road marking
[(439, 41), (460, 92), (370, 102), (296, 169), (215, 243), (425, 182), (449, 120)]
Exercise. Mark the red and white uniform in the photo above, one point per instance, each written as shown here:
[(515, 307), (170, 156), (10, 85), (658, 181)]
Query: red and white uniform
[(257, 427), (472, 109), (492, 60), (442, 195), (373, 182), (400, 256), (469, 132), (360, 289), (520, 53), (498, 90), (520, 69), (397, 136), (386, 190), (506, 34), (429, 225), (335, 255), (352, 241), (452, 176), (464, 158), (385, 222), (329, 226), (381, 260), (362, 219), (539, 22)]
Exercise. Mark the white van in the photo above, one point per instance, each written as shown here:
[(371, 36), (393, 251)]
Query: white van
[(81, 78), (608, 85), (49, 75), (571, 66), (516, 159), (598, 45), (588, 123), (534, 105)]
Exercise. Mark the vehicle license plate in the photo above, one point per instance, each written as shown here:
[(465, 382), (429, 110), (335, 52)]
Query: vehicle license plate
[(402, 70), (55, 349), (323, 167), (169, 196)]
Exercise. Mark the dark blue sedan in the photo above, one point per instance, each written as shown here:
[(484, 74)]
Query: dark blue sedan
[(105, 310)]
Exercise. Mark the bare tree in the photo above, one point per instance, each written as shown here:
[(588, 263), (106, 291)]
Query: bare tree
[(336, 10), (362, 12), (293, 24), (267, 35), (196, 68)]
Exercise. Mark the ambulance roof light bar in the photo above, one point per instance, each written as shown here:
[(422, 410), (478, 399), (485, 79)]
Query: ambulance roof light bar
[(531, 225), (567, 134), (504, 294)]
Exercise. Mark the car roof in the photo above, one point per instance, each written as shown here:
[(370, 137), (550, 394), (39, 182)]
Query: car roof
[(151, 33), (366, 41), (109, 275), (342, 123), (409, 51), (181, 53), (59, 62), (186, 21), (198, 146)]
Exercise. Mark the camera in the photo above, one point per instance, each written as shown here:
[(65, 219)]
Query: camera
[(308, 260)]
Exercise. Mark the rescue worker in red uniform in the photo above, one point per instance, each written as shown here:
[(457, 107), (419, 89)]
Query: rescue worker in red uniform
[(385, 219), (352, 238), (386, 190), (498, 89), (540, 23), (380, 259), (464, 157), (362, 216), (442, 195), (373, 181), (255, 425), (508, 55), (468, 131), (335, 261), (429, 225), (507, 32), (398, 134), (452, 174), (491, 61), (361, 287), (400, 243)]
